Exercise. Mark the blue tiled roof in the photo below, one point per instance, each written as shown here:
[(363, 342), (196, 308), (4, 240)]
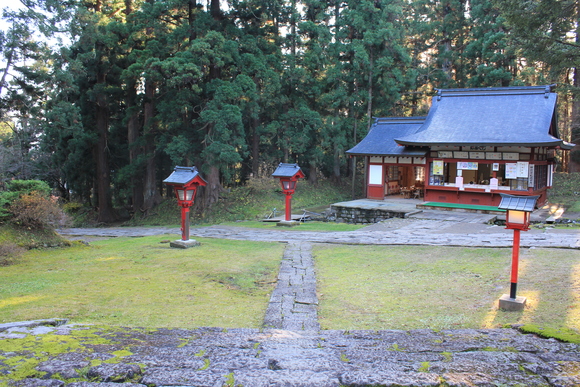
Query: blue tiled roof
[(286, 170), (518, 203), (380, 140), (508, 116), (182, 175)]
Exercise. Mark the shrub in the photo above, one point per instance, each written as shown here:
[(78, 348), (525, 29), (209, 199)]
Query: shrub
[(15, 189), (9, 252), (34, 210), (72, 207)]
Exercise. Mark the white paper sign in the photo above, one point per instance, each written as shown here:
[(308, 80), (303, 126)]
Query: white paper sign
[(511, 170), (493, 183), (531, 176), (459, 182), (522, 167)]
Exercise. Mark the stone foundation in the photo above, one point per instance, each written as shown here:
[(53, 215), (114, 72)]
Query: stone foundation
[(364, 215)]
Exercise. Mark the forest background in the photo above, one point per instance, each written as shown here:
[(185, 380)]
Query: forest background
[(102, 98)]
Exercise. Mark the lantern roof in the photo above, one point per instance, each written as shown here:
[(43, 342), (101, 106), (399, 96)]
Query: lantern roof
[(184, 176), (288, 170), (518, 203)]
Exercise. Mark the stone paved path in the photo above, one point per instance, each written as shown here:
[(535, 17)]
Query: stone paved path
[(293, 303), (433, 232)]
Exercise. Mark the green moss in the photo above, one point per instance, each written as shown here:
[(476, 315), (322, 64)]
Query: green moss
[(118, 356), (206, 364), (21, 356), (564, 334), (424, 366), (448, 356), (230, 380), (395, 347), (344, 358), (31, 351)]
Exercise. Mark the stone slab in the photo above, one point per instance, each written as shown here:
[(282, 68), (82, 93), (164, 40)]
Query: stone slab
[(288, 223), (181, 244), (276, 358), (511, 304)]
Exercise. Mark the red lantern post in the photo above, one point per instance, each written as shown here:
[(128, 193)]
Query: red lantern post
[(288, 175), (519, 209), (185, 181)]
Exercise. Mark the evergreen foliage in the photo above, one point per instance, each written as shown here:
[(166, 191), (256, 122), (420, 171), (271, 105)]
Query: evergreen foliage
[(139, 86)]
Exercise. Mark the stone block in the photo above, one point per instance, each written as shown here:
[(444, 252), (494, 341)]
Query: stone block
[(288, 223), (512, 304), (180, 244)]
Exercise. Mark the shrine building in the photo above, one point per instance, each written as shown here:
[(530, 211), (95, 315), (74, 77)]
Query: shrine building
[(473, 145)]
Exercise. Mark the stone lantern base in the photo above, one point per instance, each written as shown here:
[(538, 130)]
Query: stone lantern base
[(512, 304), (288, 223), (181, 244)]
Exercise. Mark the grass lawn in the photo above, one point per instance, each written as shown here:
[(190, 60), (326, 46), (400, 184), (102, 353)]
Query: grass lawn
[(142, 282), (410, 287)]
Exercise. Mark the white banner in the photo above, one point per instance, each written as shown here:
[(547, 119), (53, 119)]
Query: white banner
[(376, 174), (531, 176)]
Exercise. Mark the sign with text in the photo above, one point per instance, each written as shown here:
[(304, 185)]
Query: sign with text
[(522, 168), (531, 176), (438, 167), (511, 156), (493, 155), (477, 155), (511, 171), (467, 165)]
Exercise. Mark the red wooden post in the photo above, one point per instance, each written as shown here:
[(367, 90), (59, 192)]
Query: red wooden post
[(288, 207), (515, 261), (184, 223)]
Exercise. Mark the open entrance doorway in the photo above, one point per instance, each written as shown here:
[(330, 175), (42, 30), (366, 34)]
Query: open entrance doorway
[(405, 180)]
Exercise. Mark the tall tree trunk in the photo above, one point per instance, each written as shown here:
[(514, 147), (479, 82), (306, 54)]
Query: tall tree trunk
[(313, 175), (255, 147), (213, 188), (336, 166), (6, 69), (574, 166), (105, 211), (128, 7), (214, 9), (191, 7), (133, 133), (293, 41), (151, 195)]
